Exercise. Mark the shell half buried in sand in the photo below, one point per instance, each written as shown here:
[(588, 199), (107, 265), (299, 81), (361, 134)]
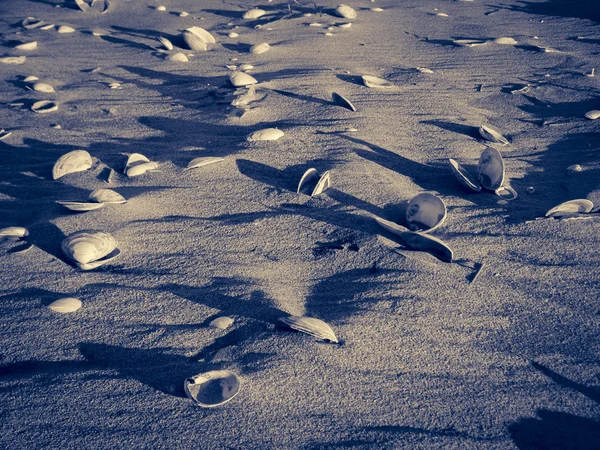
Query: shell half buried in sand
[(202, 34), (27, 45), (43, 87), (571, 207), (177, 57), (506, 193), (75, 161), (240, 79), (4, 134), (268, 134), (165, 43), (491, 135), (259, 48), (194, 42), (323, 182), (425, 212), (213, 388), (310, 325), (254, 13), (137, 164), (18, 232), (469, 42), (65, 305), (80, 206), (44, 106), (342, 101), (490, 170), (463, 176), (107, 196), (425, 243), (203, 161), (15, 60), (345, 11), (375, 82), (593, 114), (89, 249)]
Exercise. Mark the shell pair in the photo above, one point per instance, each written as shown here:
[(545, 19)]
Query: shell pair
[(96, 200), (137, 164), (323, 181), (89, 249), (19, 235)]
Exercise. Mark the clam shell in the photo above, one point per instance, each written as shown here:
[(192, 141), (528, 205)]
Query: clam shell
[(323, 184), (203, 161), (19, 232), (375, 82), (246, 66), (268, 134), (44, 106), (82, 5), (27, 46), (425, 212), (345, 11), (423, 242), (178, 57), (593, 114), (89, 249), (75, 161), (254, 13), (309, 175), (222, 323), (390, 226), (29, 23), (64, 29), (203, 34), (490, 170), (489, 134), (310, 325), (140, 169), (165, 43), (13, 59), (30, 78), (65, 305), (241, 79), (469, 42), (463, 176), (345, 25), (505, 41), (342, 101), (506, 193), (233, 34), (81, 206), (135, 159), (572, 206), (42, 87), (259, 48), (107, 196), (194, 42), (4, 134), (213, 388)]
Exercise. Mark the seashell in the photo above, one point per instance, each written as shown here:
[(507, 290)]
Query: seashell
[(213, 388), (469, 42), (43, 87), (30, 79), (82, 5), (194, 42), (490, 170), (75, 161), (100, 32), (377, 83), (309, 175), (322, 185), (134, 159), (254, 13), (259, 48), (107, 196), (310, 325), (18, 232), (203, 161), (425, 212), (4, 134), (65, 305), (203, 34), (345, 25), (342, 101), (463, 176), (377, 9), (30, 23), (44, 106), (574, 168), (241, 79), (47, 27), (390, 226), (489, 134), (593, 114), (89, 249), (161, 8), (328, 34), (23, 248), (345, 11), (222, 323), (506, 193), (423, 242), (424, 70), (245, 67), (268, 134), (13, 60), (184, 14), (505, 41), (315, 24), (80, 206), (64, 29), (140, 169), (27, 46), (178, 57), (570, 207), (165, 43), (233, 34), (442, 15)]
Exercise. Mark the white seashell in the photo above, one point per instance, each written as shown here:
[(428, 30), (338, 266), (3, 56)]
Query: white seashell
[(4, 134), (233, 34), (30, 23), (194, 42), (345, 11), (323, 184), (489, 134), (570, 207), (134, 159), (44, 106), (425, 212), (18, 232), (140, 169), (165, 43), (203, 161), (425, 243), (100, 32), (89, 249), (390, 226), (574, 168), (315, 24), (80, 206), (505, 41), (47, 27), (310, 325), (30, 79), (75, 161), (464, 176), (268, 134), (377, 9), (345, 25), (328, 34), (375, 82), (43, 87), (82, 5), (593, 114), (309, 175), (13, 60), (241, 79), (342, 101), (27, 46), (184, 14), (222, 323), (259, 48), (213, 388), (469, 42), (161, 8), (64, 29), (490, 169), (65, 305), (245, 67), (254, 13), (442, 15), (106, 196), (203, 34), (506, 193), (178, 57), (424, 70)]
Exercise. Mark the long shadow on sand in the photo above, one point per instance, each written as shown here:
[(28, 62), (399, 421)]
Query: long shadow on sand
[(581, 9)]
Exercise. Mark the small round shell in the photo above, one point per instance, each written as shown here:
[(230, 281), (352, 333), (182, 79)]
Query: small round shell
[(489, 134), (65, 305), (376, 83), (194, 42), (42, 87), (75, 161), (254, 13), (80, 206), (310, 325), (44, 106), (239, 79), (106, 196), (89, 249), (490, 170), (202, 34), (345, 11), (65, 29), (268, 134), (425, 212), (213, 388), (572, 206), (342, 101), (463, 176)]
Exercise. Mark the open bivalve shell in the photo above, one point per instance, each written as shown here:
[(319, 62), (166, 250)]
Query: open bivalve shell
[(239, 79), (107, 196), (425, 212), (375, 82), (138, 164), (342, 101), (89, 249), (310, 325), (203, 161), (65, 305), (18, 232), (490, 169), (323, 183), (254, 13), (425, 243), (463, 176), (268, 134), (491, 135), (213, 388), (345, 11), (202, 34), (80, 206), (571, 207), (44, 106), (75, 161)]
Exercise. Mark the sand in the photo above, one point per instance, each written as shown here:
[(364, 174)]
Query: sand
[(427, 359)]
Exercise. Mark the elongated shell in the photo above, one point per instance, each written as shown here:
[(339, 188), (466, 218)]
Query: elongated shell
[(239, 79), (345, 11), (254, 13), (15, 60), (42, 87), (425, 243), (44, 106), (203, 34), (268, 134), (489, 134), (194, 42), (425, 212), (322, 185), (107, 196), (259, 48), (18, 232), (342, 101), (490, 170), (309, 175), (213, 388), (165, 43), (75, 161), (469, 42), (375, 82), (593, 114), (463, 176), (505, 41), (140, 169), (89, 249), (203, 161), (390, 226), (80, 206), (572, 206), (27, 46), (310, 325), (65, 305)]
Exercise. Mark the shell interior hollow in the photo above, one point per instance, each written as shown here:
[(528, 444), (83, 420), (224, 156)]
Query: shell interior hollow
[(490, 169), (75, 161), (342, 101), (572, 206), (425, 212), (323, 184), (310, 325), (309, 175), (463, 176), (213, 388)]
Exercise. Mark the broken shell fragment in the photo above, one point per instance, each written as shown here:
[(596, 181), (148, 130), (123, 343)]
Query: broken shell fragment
[(254, 13), (75, 161), (222, 323), (323, 183), (342, 101), (203, 161), (310, 325), (239, 79), (44, 106), (506, 193), (89, 249), (259, 48), (213, 388), (65, 305), (42, 87), (268, 134), (178, 57), (80, 206), (490, 170), (463, 176), (571, 207), (18, 232), (194, 42), (345, 11), (593, 114), (107, 196), (165, 43), (27, 46), (4, 134), (489, 134), (375, 82), (425, 212), (202, 34), (13, 59), (423, 242), (574, 168)]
